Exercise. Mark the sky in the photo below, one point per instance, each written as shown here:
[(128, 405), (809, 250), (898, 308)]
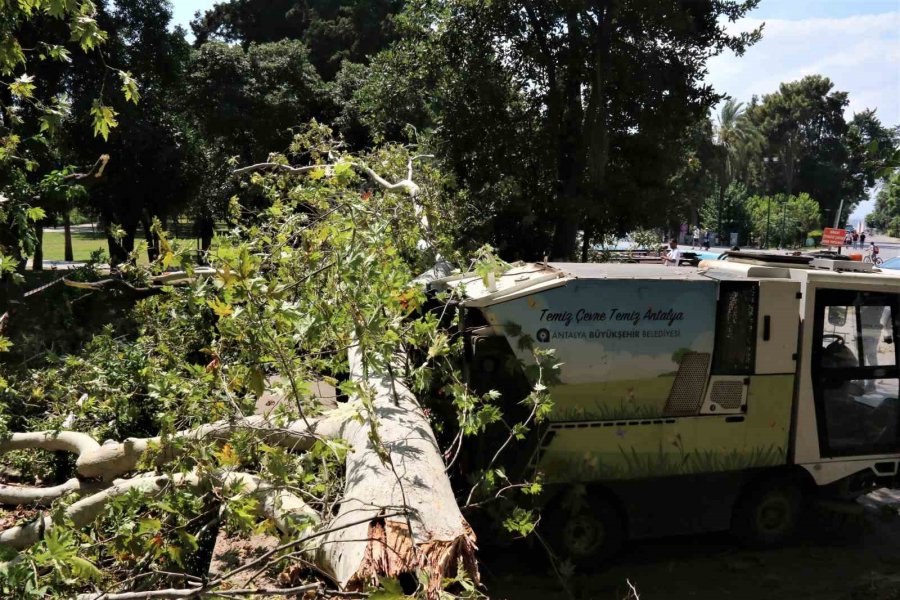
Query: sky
[(856, 43), (184, 10)]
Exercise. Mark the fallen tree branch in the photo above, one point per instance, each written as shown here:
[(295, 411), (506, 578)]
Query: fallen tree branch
[(407, 185), (278, 505), (112, 459), (114, 284), (201, 592), (15, 495)]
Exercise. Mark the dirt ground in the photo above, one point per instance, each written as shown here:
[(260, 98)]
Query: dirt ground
[(835, 558)]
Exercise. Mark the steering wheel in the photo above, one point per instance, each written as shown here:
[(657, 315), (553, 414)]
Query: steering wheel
[(834, 338)]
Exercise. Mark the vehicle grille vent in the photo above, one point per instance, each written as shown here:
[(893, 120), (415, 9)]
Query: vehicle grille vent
[(686, 395), (727, 394)]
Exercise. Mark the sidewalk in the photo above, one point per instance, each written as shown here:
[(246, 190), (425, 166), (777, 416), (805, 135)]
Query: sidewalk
[(80, 228)]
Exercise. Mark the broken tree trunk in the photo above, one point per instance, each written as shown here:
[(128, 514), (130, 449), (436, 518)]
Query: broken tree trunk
[(398, 483)]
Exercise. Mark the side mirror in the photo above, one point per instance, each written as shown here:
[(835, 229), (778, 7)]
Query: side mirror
[(837, 315)]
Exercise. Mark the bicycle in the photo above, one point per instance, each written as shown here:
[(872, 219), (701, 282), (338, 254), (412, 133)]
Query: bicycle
[(872, 259)]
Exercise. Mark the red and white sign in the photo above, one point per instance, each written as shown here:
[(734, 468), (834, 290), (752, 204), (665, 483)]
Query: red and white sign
[(833, 237)]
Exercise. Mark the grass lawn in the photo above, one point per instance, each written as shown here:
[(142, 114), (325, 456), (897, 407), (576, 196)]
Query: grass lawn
[(83, 243)]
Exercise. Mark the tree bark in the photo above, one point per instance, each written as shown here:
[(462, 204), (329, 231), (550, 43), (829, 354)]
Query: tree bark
[(150, 237), (69, 255), (410, 475), (120, 250), (37, 263), (205, 229), (570, 146)]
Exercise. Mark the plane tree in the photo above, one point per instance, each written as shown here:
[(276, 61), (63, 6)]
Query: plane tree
[(317, 289), (575, 114)]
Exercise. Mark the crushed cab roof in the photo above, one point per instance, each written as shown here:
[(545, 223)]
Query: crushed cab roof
[(524, 279), (627, 271)]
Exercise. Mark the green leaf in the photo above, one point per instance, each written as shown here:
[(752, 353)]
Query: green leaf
[(60, 8), (342, 169), (389, 589), (59, 53), (257, 381), (104, 119), (86, 32), (222, 309), (35, 213), (129, 87), (521, 521), (84, 569), (149, 525), (22, 87)]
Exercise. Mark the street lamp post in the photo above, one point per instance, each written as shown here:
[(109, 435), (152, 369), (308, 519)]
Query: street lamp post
[(769, 159), (783, 219)]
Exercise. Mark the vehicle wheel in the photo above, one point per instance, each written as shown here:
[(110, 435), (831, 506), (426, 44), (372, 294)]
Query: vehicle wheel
[(767, 514), (867, 259), (588, 531), (878, 260)]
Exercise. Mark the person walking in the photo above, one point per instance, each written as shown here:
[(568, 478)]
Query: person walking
[(855, 235), (862, 239), (673, 256), (695, 241), (876, 325)]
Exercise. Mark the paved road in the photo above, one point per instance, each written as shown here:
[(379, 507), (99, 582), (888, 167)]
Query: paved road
[(890, 247)]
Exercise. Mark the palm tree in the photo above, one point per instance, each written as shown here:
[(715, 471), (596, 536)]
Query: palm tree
[(739, 140)]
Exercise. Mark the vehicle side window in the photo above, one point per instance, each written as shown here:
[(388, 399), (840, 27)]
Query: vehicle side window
[(735, 349), (855, 375), (864, 330)]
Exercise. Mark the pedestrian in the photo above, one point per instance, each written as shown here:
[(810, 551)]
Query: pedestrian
[(696, 239), (848, 239), (876, 324), (862, 240), (673, 256), (855, 238)]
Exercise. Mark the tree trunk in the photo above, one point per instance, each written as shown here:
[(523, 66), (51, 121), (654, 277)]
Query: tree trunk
[(120, 249), (150, 237), (67, 235), (205, 228), (586, 243), (570, 147), (37, 263), (433, 534)]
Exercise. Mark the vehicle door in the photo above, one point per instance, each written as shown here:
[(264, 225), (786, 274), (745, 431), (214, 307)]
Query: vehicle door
[(855, 372)]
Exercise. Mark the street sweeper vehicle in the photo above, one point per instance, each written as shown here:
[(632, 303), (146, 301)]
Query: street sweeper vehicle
[(694, 399)]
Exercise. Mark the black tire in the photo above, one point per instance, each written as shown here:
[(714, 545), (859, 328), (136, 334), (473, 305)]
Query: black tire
[(768, 513), (587, 531)]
